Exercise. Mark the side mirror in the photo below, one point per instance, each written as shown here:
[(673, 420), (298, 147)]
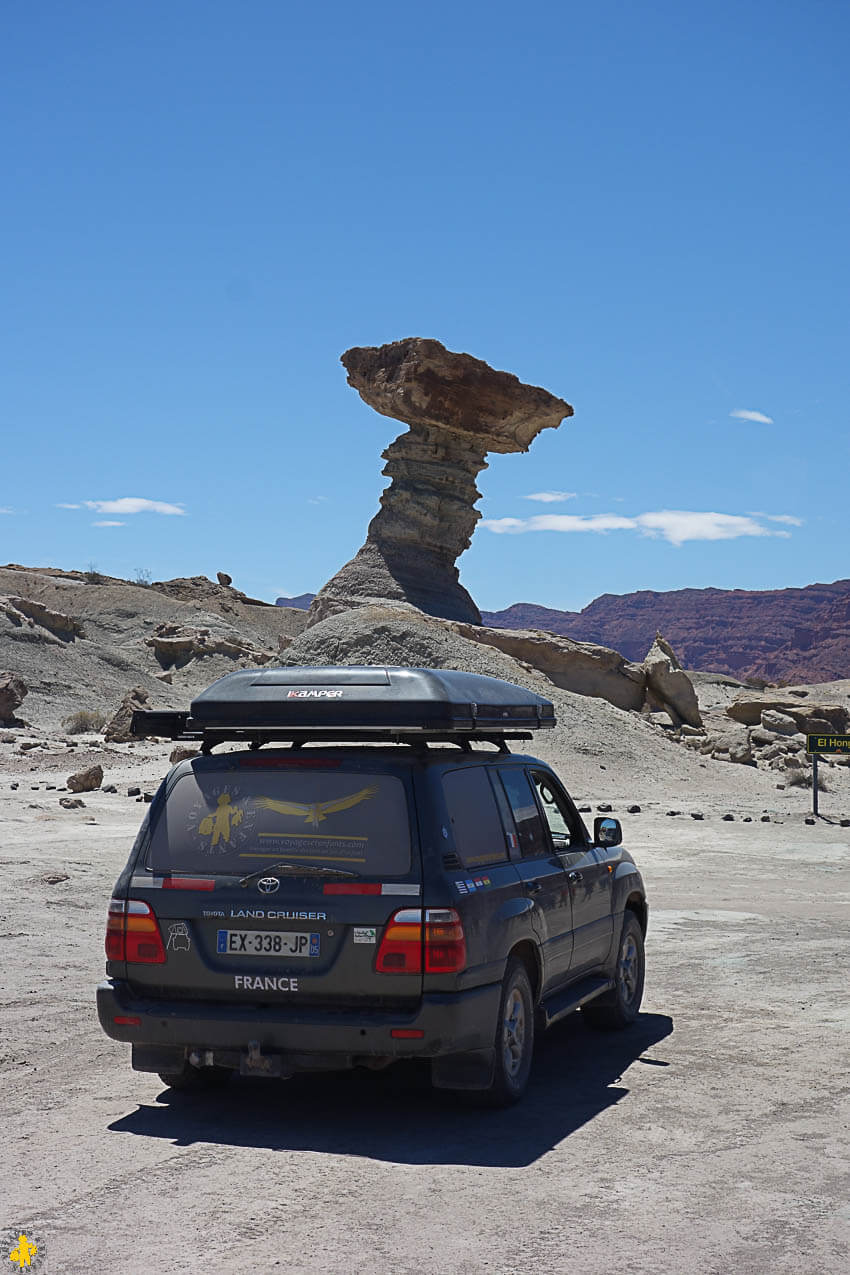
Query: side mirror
[(607, 832)]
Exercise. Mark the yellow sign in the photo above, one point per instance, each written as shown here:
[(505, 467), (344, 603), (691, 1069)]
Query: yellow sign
[(317, 811), (225, 819), (23, 1252)]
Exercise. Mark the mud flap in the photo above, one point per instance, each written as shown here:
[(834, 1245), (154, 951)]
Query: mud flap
[(472, 1070), (158, 1058)]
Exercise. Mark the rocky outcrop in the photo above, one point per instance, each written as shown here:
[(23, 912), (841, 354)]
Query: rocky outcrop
[(12, 692), (457, 409), (799, 635), (574, 666), (65, 627), (667, 685), (117, 730), (175, 645), (808, 712), (200, 590)]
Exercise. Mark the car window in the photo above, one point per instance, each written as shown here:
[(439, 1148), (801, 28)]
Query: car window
[(479, 837), (221, 821), (530, 831), (562, 822)]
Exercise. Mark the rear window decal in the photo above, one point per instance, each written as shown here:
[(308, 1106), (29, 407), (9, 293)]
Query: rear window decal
[(214, 823), (315, 812)]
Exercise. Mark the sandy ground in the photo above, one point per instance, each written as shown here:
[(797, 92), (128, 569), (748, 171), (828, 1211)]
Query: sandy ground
[(710, 1138)]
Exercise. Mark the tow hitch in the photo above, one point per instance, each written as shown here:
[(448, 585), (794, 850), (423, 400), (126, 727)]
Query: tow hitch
[(253, 1062)]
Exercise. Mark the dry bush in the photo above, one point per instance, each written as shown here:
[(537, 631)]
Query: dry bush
[(85, 722), (803, 779)]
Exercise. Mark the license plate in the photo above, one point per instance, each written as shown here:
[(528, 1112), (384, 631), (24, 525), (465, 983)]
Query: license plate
[(283, 943)]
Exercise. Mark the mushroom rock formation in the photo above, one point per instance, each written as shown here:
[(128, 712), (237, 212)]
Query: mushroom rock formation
[(457, 409)]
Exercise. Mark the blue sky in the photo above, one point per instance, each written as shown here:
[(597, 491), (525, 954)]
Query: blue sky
[(641, 207)]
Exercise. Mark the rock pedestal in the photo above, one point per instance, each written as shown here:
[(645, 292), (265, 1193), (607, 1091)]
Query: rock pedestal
[(457, 409)]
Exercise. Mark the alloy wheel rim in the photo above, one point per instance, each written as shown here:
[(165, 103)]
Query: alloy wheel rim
[(513, 1032)]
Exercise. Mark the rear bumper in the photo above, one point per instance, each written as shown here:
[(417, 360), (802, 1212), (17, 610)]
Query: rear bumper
[(451, 1023)]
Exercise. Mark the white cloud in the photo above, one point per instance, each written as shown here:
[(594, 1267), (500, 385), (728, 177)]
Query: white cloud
[(133, 505), (788, 519), (559, 522), (109, 524), (4, 509), (743, 415), (550, 497), (63, 505), (674, 525)]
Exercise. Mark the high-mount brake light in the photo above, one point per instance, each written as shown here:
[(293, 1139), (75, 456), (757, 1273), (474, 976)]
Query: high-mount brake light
[(132, 933), (410, 931), (188, 883)]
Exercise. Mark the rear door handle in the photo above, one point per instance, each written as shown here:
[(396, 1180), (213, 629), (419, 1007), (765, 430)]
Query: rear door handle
[(574, 877), (534, 887)]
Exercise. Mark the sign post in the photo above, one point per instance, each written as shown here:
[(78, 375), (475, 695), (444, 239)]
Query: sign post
[(816, 745)]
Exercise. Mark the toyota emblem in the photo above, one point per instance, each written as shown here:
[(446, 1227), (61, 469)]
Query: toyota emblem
[(268, 885)]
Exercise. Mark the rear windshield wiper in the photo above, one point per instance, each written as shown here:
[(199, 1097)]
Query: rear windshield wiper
[(300, 869)]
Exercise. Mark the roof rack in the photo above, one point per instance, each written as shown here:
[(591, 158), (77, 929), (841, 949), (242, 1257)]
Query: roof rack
[(353, 705)]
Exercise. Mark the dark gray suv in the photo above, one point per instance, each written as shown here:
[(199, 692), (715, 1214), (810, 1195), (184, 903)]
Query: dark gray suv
[(375, 877)]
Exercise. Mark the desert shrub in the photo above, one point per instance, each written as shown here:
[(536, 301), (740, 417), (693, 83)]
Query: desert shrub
[(92, 574), (803, 779), (142, 577), (84, 722)]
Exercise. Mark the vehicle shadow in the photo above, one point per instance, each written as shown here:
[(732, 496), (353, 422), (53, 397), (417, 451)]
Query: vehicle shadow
[(395, 1116)]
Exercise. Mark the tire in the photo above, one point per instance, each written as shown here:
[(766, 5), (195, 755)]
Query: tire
[(514, 1041), (195, 1079), (619, 1008)]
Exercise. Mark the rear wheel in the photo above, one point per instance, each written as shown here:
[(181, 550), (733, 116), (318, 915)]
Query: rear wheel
[(619, 1008), (191, 1079), (514, 1043)]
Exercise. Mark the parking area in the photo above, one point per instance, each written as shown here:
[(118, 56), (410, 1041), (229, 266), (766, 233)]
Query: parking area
[(711, 1138)]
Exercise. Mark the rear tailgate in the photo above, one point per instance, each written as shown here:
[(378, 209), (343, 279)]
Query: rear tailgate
[(274, 883)]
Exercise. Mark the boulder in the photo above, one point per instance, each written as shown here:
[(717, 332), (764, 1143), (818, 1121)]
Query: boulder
[(183, 752), (117, 730), (12, 692), (748, 708), (581, 667), (85, 780), (778, 723), (457, 409), (668, 685), (224, 579)]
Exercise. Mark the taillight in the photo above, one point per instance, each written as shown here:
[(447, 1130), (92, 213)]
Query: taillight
[(132, 933), (438, 931)]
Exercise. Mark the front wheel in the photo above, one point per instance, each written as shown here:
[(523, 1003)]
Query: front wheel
[(619, 1008), (514, 1043)]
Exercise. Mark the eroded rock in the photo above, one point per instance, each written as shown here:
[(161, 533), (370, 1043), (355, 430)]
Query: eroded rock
[(668, 685), (457, 409), (12, 692), (176, 644), (117, 730), (574, 666), (87, 780)]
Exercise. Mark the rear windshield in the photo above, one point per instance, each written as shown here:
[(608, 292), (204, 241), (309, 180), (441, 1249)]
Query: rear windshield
[(218, 821)]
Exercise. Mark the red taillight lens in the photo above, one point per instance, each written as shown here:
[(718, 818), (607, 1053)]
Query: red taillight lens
[(132, 933), (439, 931)]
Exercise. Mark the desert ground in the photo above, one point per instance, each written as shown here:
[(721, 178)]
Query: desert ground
[(711, 1137)]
